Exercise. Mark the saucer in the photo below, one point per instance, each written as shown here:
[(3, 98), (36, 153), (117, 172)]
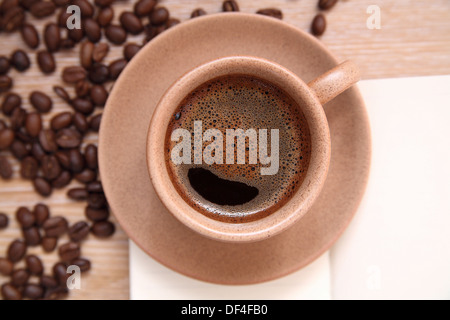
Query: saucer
[(122, 150)]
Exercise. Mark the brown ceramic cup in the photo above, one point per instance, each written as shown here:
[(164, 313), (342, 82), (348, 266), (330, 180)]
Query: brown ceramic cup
[(310, 97)]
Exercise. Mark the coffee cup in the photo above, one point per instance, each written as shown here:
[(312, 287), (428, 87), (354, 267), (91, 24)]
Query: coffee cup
[(234, 196)]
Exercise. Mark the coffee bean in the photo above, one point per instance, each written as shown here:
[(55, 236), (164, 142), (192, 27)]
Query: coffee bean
[(33, 124), (47, 139), (42, 9), (98, 95), (87, 9), (62, 17), (32, 236), (94, 122), (29, 168), (96, 215), (97, 200), (16, 250), (26, 4), (61, 120), (73, 74), (326, 4), (4, 65), (103, 229), (103, 3), (25, 217), (12, 19), (99, 73), (83, 264), (86, 51), (271, 12), (159, 16), (79, 231), (41, 213), (94, 187), (6, 267), (116, 67), (92, 30), (62, 93), (115, 34), (11, 101), (46, 62), (34, 265), (49, 243), (77, 194), (60, 3), (67, 43), (30, 36), (6, 170), (19, 149), (318, 25), (82, 89), (42, 186), (22, 135), (52, 37), (69, 251), (40, 101), (50, 167), (68, 138), (86, 176), (6, 138), (20, 277), (100, 51), (76, 161), (198, 12), (62, 180), (55, 227), (33, 291), (130, 22), (20, 61), (84, 106), (60, 273), (144, 7), (5, 83), (90, 154), (48, 282), (4, 221), (76, 35), (229, 6), (2, 125), (130, 50), (37, 151), (9, 292), (172, 22), (63, 158), (105, 16), (80, 122), (6, 4)]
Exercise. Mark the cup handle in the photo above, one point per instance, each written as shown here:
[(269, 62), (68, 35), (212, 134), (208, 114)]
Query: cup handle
[(335, 81)]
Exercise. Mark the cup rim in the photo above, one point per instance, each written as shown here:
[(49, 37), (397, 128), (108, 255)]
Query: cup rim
[(300, 202)]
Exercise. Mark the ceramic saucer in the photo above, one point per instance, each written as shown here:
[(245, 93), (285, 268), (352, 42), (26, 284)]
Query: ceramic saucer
[(122, 151)]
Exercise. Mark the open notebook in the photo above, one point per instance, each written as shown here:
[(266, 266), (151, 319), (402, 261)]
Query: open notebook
[(398, 245)]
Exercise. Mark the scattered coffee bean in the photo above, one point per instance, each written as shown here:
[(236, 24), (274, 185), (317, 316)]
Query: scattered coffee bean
[(271, 12), (86, 8), (116, 67), (32, 236), (6, 267), (30, 36), (48, 282), (69, 251), (61, 120), (68, 138), (67, 43), (130, 22), (76, 161), (90, 154), (115, 34), (47, 139), (62, 93), (98, 95), (20, 61), (9, 292), (62, 180), (52, 37), (97, 200), (96, 215), (7, 4), (42, 9), (33, 124), (79, 231), (41, 213), (83, 264), (76, 35), (80, 122), (46, 62), (73, 74), (100, 51), (4, 65), (4, 221), (105, 16), (92, 30), (55, 227), (20, 277), (82, 89), (198, 12), (6, 138), (29, 168), (50, 167), (94, 122), (40, 101), (6, 171), (11, 101), (172, 22), (25, 217), (49, 243), (12, 19), (86, 176), (34, 265), (94, 187), (77, 194), (5, 83), (33, 291), (103, 3), (159, 16), (16, 250), (99, 73), (103, 229), (229, 6), (326, 4), (60, 273), (130, 50), (86, 51), (318, 25), (42, 186), (144, 7), (37, 151)]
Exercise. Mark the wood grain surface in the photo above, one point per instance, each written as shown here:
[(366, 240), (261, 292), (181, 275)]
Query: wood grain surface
[(414, 40)]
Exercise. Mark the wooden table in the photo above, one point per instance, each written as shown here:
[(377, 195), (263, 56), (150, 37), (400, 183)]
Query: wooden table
[(414, 40)]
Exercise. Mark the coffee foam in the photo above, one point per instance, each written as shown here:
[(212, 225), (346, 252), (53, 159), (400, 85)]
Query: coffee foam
[(238, 101)]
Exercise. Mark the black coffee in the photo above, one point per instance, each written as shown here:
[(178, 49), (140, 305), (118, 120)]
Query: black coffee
[(251, 186)]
